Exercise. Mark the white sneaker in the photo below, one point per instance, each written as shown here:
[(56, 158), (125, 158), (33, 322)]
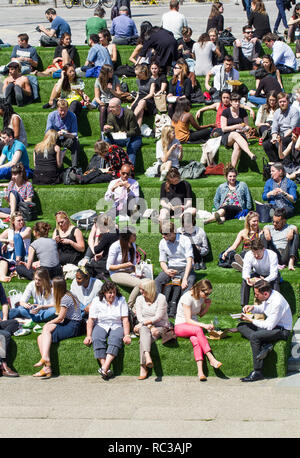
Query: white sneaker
[(163, 175)]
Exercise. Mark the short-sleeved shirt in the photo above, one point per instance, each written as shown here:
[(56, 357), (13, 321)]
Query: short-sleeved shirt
[(46, 251), (9, 152), (25, 190), (180, 191), (106, 95), (203, 57), (30, 52), (108, 316), (174, 154), (39, 299), (94, 25), (99, 55), (188, 300), (60, 26), (86, 295), (73, 311), (231, 121), (159, 81)]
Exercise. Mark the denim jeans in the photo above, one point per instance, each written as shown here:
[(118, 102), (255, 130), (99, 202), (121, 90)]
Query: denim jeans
[(257, 100), (281, 15), (19, 249), (132, 144), (40, 317)]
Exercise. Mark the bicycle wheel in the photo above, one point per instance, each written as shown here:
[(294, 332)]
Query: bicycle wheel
[(68, 3), (89, 3), (107, 3)]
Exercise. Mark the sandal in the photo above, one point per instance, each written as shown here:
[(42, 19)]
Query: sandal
[(217, 365), (143, 377), (43, 374), (103, 374), (202, 378), (42, 362)]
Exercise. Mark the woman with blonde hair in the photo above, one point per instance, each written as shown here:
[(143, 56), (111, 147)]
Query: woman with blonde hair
[(151, 312), (66, 325), (48, 160), (144, 101), (192, 304), (168, 151), (40, 290), (69, 239)]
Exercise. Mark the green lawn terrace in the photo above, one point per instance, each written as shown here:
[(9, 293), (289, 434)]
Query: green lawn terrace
[(71, 356)]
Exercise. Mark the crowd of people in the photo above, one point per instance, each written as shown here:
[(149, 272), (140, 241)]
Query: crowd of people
[(94, 304)]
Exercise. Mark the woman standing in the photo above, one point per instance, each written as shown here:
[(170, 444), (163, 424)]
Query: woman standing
[(15, 242), (14, 121), (259, 19), (234, 124), (181, 121), (19, 190), (192, 304), (151, 312), (69, 239), (66, 325), (144, 101), (107, 86), (203, 51), (215, 18), (48, 160), (108, 327), (168, 151), (40, 290), (231, 197)]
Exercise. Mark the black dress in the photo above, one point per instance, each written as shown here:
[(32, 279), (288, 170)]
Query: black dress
[(46, 170), (231, 121), (176, 194), (67, 254), (97, 269)]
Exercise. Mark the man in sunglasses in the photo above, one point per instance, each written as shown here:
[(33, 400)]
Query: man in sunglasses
[(123, 191), (246, 50)]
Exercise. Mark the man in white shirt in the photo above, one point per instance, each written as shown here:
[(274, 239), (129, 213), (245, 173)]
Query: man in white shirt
[(262, 334), (85, 289), (221, 73), (124, 191), (259, 263), (283, 56), (173, 20), (176, 260)]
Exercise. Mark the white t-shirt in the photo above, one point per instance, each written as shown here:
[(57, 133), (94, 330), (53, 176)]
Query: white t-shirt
[(86, 295), (30, 291), (203, 57), (108, 316), (174, 21), (188, 300), (173, 156)]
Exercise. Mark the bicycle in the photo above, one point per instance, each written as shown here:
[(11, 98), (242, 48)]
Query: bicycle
[(94, 3)]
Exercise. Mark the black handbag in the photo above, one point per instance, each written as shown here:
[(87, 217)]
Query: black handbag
[(28, 210), (226, 38), (266, 169), (226, 263)]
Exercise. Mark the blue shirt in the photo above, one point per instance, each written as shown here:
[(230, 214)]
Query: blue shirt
[(68, 123), (242, 192), (9, 152), (99, 56), (60, 26), (291, 188), (30, 52), (123, 27)]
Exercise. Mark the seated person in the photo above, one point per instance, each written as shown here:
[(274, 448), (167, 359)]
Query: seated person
[(107, 160), (85, 288), (180, 85), (283, 56), (108, 340), (69, 239), (265, 115), (204, 51), (266, 85), (14, 121), (259, 263), (19, 189), (246, 50), (15, 243), (218, 55), (123, 120), (158, 77), (45, 250), (222, 74), (64, 54), (123, 192), (231, 197), (282, 238), (16, 87), (144, 101), (123, 28), (266, 67), (185, 45), (264, 333), (168, 151), (7, 329), (65, 123), (181, 121), (48, 160), (176, 260), (280, 191), (291, 155), (285, 119), (105, 41), (25, 54), (14, 151), (52, 36), (40, 290), (234, 124), (71, 89), (296, 103), (97, 56), (96, 23), (198, 239), (175, 196)]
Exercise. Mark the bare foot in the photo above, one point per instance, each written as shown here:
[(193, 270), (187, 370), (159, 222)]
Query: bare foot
[(5, 279), (291, 265)]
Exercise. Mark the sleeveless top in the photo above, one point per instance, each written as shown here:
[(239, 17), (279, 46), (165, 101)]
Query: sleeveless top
[(46, 170), (219, 114), (182, 132), (68, 250), (22, 134), (248, 240)]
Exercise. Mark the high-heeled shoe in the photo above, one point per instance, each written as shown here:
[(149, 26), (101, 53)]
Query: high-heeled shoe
[(202, 378), (143, 377), (150, 365), (41, 362), (43, 374), (217, 365)]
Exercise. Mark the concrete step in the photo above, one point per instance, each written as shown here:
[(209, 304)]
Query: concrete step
[(294, 359)]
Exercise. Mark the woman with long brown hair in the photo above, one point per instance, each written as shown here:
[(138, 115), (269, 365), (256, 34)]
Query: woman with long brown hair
[(259, 19), (192, 304), (215, 18), (203, 51), (180, 85), (64, 326), (265, 114), (107, 86), (69, 239)]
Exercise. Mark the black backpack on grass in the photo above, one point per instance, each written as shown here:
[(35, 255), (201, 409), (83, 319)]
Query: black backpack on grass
[(28, 210)]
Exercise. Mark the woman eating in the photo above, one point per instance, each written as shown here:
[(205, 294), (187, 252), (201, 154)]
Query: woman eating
[(69, 239), (168, 151)]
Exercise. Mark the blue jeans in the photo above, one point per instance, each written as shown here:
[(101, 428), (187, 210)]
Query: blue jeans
[(132, 144), (281, 15), (248, 7), (257, 100), (19, 249), (40, 317)]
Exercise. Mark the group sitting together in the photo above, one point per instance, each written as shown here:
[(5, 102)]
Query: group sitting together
[(94, 305)]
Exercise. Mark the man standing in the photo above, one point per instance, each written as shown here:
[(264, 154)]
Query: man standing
[(51, 37), (283, 56), (262, 334), (123, 29), (259, 263), (122, 121), (65, 123), (282, 238), (173, 20), (285, 119), (16, 87), (13, 152), (123, 191), (246, 50), (25, 54)]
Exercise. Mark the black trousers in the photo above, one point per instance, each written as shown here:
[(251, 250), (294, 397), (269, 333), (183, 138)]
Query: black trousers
[(259, 337), (29, 273), (7, 328), (245, 289), (284, 255), (72, 144), (241, 60), (15, 95), (271, 149)]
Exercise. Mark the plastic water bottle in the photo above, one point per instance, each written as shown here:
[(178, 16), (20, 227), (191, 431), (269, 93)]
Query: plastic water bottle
[(2, 195), (213, 210), (216, 323)]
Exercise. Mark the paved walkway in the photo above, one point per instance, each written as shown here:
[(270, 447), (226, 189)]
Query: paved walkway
[(176, 407), (17, 19)]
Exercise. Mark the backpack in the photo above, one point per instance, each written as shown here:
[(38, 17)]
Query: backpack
[(28, 210), (67, 180), (266, 169), (125, 70), (192, 170), (226, 263), (226, 38)]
